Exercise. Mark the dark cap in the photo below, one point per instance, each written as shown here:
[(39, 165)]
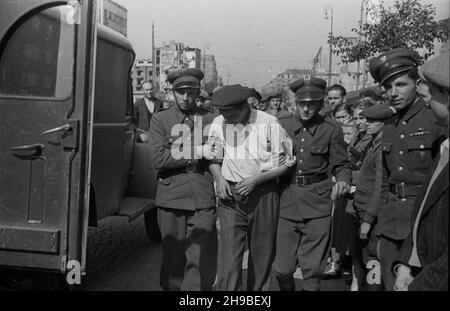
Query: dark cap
[(393, 62), (255, 94), (231, 96), (185, 78), (379, 112), (437, 70), (274, 94), (311, 89)]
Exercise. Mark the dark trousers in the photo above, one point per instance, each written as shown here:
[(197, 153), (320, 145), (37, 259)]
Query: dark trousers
[(189, 247), (253, 220), (305, 243), (389, 253), (366, 263)]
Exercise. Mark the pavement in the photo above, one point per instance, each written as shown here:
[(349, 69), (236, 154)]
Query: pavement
[(120, 257)]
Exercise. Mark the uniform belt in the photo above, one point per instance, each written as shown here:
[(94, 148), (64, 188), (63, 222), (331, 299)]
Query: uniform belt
[(182, 170), (304, 180), (403, 191)]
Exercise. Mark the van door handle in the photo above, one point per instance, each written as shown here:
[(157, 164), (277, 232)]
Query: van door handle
[(28, 152), (63, 128), (35, 147)]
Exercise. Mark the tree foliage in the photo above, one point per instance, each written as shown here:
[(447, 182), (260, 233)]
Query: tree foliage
[(407, 24)]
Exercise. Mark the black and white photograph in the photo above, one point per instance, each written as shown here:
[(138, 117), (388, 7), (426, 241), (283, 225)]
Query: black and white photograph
[(241, 149)]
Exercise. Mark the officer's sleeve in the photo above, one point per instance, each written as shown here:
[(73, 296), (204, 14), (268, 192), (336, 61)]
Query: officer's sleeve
[(161, 149), (340, 163)]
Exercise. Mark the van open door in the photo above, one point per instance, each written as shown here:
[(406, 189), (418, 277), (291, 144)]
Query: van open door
[(47, 53)]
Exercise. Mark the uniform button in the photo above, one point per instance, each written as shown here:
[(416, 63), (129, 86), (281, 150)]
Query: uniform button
[(304, 129), (422, 146), (187, 119), (301, 150), (303, 140), (300, 171), (400, 168), (404, 122), (300, 161), (400, 152), (402, 136)]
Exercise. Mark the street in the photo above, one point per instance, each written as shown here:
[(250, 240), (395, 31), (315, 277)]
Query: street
[(121, 258)]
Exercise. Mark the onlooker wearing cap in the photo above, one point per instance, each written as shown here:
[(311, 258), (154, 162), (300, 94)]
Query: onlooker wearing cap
[(144, 110), (185, 195), (409, 144), (275, 101), (249, 202), (423, 261), (367, 198), (303, 235)]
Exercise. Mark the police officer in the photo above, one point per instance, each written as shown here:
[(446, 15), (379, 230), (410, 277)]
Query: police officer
[(185, 195), (423, 264), (409, 144), (303, 234)]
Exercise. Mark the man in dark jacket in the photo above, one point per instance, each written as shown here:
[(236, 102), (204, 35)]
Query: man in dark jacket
[(423, 263), (144, 110), (409, 145), (185, 195)]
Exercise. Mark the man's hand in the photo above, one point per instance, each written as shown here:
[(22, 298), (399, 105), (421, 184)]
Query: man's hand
[(364, 230), (339, 189), (223, 189), (403, 279), (245, 186), (210, 151)]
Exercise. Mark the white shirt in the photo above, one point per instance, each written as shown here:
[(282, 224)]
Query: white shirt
[(150, 104), (251, 149)]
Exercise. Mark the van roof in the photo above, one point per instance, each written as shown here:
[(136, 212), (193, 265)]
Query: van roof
[(114, 37)]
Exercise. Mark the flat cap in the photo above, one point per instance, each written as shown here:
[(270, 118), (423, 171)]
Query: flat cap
[(231, 96), (275, 93), (310, 89), (185, 78), (393, 62), (437, 70), (255, 94), (379, 112)]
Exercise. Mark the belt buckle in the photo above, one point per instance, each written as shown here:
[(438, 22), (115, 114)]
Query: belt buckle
[(400, 191), (301, 180)]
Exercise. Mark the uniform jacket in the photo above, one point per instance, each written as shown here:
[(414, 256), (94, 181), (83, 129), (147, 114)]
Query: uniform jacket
[(409, 144), (319, 149), (183, 182), (142, 116), (432, 235), (366, 198)]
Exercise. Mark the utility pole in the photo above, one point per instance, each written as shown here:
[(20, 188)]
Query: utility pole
[(329, 8), (154, 59), (204, 63), (358, 70)]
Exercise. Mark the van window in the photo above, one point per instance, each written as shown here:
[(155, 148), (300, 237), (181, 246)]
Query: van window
[(38, 58)]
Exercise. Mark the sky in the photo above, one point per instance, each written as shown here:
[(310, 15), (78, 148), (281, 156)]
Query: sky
[(252, 40)]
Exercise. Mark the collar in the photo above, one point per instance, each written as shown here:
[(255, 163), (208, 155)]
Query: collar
[(181, 115), (415, 107), (445, 144), (310, 126)]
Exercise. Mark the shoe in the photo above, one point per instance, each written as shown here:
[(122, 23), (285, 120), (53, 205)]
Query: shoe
[(332, 270)]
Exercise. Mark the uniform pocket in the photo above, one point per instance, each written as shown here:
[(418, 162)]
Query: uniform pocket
[(165, 181), (386, 146), (319, 149), (419, 152)]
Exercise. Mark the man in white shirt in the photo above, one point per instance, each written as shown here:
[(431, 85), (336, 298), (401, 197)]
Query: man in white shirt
[(254, 151)]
